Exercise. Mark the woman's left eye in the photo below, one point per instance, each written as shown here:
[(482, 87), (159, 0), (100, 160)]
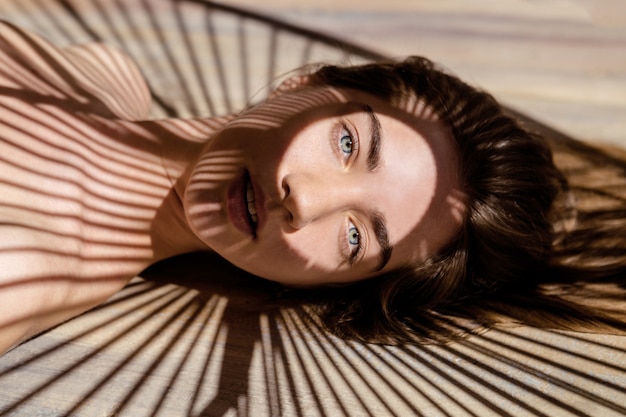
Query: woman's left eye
[(355, 242), (353, 236)]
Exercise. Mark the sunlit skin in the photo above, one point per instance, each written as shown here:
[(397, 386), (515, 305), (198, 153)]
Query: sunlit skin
[(91, 192), (319, 195)]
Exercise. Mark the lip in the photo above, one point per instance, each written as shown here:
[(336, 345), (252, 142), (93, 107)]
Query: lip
[(236, 204), (259, 203)]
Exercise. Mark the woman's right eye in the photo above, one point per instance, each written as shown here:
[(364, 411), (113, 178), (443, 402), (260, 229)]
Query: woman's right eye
[(347, 142)]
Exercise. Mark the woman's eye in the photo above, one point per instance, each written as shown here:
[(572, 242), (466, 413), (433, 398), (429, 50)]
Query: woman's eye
[(354, 242), (346, 143), (353, 236)]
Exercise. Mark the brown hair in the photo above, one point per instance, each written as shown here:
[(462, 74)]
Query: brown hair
[(516, 256)]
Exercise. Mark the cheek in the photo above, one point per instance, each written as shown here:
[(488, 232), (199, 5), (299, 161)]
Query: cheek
[(314, 249), (305, 256), (307, 148)]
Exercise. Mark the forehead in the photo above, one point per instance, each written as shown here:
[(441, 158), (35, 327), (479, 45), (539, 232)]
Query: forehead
[(416, 188), (418, 185)]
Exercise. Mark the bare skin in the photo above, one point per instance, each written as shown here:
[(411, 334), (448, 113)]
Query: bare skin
[(315, 185), (85, 200)]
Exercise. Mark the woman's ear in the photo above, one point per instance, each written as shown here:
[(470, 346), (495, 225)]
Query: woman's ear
[(292, 83)]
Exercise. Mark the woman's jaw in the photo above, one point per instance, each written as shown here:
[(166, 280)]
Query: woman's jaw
[(293, 195)]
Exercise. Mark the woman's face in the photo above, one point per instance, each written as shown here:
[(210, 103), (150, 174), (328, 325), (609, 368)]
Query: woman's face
[(320, 185)]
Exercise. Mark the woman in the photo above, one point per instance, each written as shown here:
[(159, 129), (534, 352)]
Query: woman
[(540, 243), (395, 178)]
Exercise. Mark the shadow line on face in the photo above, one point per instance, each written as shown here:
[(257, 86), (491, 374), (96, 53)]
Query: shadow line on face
[(281, 122)]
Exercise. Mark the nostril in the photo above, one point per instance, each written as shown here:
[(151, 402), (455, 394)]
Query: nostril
[(286, 188)]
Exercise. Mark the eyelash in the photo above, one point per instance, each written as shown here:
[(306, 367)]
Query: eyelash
[(343, 132), (354, 252)]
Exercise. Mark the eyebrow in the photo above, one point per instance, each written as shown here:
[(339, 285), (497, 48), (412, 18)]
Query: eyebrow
[(382, 236), (373, 162), (373, 156)]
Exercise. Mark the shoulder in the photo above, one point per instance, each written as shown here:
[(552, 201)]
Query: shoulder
[(113, 77), (92, 73)]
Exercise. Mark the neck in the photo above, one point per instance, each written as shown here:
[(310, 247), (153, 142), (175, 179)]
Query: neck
[(149, 189)]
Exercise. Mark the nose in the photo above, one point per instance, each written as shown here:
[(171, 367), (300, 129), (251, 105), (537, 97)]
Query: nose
[(312, 197)]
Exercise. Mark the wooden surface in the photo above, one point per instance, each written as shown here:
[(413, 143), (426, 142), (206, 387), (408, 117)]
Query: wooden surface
[(561, 61), (194, 337)]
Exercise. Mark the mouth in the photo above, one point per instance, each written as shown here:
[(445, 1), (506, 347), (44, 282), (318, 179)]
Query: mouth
[(242, 205), (251, 211)]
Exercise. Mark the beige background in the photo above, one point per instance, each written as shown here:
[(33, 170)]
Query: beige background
[(561, 61), (197, 338)]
